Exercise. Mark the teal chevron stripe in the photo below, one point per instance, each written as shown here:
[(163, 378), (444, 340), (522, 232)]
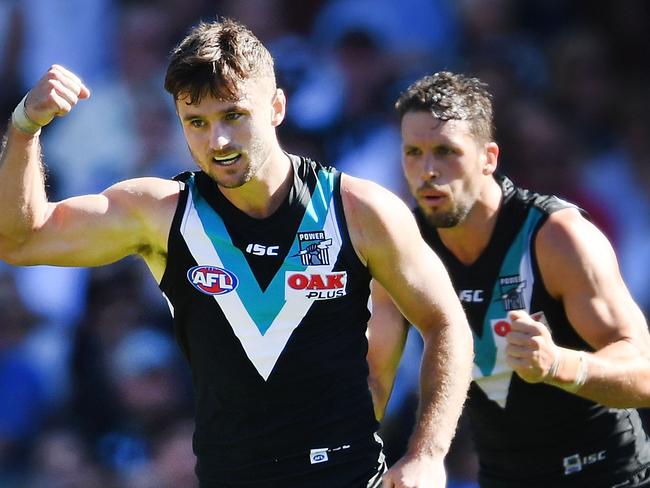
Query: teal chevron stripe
[(485, 351), (262, 306)]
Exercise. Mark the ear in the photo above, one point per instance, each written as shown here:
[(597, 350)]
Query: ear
[(489, 158), (279, 106)]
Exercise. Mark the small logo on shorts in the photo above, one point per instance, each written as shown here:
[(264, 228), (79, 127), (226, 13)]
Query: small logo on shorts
[(576, 462), (318, 455)]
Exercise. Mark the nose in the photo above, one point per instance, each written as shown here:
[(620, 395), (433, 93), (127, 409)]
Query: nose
[(430, 170), (219, 139)]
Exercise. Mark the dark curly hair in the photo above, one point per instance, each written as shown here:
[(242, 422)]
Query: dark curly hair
[(451, 96), (215, 58)]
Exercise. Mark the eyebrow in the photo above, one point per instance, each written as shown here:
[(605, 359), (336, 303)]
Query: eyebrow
[(235, 107)]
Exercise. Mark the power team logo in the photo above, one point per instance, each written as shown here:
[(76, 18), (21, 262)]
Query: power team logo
[(212, 280), (313, 248), (315, 286), (512, 288)]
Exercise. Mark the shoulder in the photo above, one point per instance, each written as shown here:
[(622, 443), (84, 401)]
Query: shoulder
[(142, 192), (375, 216), (146, 187), (150, 200), (567, 229), (569, 247), (369, 203)]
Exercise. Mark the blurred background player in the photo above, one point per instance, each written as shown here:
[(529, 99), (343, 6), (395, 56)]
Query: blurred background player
[(562, 351)]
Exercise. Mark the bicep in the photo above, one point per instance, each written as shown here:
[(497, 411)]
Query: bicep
[(87, 230), (580, 268), (387, 239), (414, 276)]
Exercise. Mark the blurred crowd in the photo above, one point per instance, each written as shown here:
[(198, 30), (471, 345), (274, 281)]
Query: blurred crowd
[(93, 391)]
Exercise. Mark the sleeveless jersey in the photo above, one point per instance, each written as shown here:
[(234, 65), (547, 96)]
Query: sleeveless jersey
[(532, 435), (271, 315)]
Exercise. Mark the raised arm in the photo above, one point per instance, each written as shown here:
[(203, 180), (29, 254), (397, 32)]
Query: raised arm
[(579, 267), (386, 237), (22, 191), (130, 217)]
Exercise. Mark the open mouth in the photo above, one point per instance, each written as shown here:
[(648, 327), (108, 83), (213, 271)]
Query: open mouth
[(227, 159), (431, 197)]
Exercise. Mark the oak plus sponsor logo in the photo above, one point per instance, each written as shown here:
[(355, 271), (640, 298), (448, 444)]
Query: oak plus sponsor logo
[(315, 286), (212, 280)]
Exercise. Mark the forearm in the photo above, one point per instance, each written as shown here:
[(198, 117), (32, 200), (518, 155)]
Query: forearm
[(616, 376), (444, 379), (22, 192)]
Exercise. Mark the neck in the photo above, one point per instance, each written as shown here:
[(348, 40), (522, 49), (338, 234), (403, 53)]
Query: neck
[(264, 193), (468, 240)]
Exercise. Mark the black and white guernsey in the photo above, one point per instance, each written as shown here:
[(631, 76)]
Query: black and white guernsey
[(532, 435), (271, 315)]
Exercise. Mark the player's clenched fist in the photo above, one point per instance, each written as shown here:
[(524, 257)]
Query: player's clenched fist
[(416, 472), (531, 352), (53, 95)]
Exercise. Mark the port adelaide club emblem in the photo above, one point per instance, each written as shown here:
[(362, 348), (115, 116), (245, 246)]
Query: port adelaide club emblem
[(313, 248)]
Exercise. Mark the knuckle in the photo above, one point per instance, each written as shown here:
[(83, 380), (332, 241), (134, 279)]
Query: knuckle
[(53, 84)]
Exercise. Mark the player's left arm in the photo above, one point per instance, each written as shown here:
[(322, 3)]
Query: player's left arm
[(387, 239), (387, 331), (579, 267)]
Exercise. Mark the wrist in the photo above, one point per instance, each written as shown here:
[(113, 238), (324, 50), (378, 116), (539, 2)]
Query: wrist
[(571, 372), (21, 121), (426, 451)]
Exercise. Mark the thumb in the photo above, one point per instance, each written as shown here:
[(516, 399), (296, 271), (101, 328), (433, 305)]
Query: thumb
[(84, 92)]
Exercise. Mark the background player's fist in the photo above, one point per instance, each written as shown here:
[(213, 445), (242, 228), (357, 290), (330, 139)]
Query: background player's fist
[(531, 352)]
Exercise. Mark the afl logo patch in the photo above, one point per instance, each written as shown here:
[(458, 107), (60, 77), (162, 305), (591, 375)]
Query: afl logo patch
[(212, 280)]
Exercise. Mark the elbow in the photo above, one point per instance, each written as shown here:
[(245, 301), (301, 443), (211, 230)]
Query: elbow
[(12, 252)]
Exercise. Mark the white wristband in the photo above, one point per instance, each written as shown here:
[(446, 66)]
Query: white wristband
[(581, 375), (21, 120), (552, 371)]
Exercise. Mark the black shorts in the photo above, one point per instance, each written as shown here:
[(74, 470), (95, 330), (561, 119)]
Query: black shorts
[(641, 479), (354, 474)]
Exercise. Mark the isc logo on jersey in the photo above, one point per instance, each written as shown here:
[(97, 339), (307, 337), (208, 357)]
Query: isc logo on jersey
[(212, 280), (315, 286)]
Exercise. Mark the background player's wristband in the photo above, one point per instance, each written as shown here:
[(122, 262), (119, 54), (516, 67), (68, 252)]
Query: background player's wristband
[(552, 371), (581, 375), (21, 120)]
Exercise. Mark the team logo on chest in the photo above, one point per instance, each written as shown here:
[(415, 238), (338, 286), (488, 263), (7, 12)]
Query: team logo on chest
[(512, 292), (212, 280), (313, 248)]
